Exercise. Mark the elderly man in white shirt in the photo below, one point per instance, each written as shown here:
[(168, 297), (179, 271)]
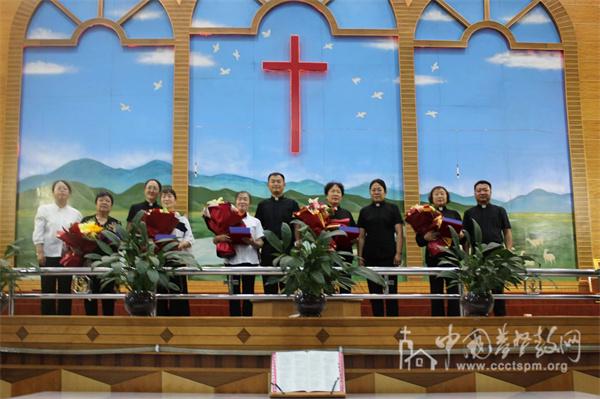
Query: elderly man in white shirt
[(49, 220)]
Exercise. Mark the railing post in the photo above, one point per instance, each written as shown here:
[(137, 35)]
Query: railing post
[(11, 297)]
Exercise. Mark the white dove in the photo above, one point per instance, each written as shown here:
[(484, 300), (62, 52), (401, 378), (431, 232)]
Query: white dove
[(328, 46), (195, 169), (125, 107), (435, 67), (356, 80), (157, 85), (457, 171), (224, 71), (378, 95), (236, 55), (433, 114), (361, 114), (216, 47), (266, 33)]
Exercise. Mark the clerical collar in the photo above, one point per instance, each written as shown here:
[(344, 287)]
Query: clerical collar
[(440, 208), (151, 204), (274, 198), (377, 204), (482, 205)]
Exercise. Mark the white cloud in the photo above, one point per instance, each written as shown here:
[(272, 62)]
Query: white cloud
[(387, 45), (205, 23), (147, 15), (426, 80), (397, 80), (35, 159), (530, 59), (47, 68), (161, 56), (200, 60), (437, 16), (537, 17), (45, 33)]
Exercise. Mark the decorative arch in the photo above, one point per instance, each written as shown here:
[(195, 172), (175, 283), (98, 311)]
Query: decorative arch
[(267, 6)]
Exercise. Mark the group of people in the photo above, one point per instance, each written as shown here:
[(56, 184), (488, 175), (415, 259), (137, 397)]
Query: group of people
[(380, 241)]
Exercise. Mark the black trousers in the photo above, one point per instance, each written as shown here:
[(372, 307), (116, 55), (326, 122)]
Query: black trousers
[(377, 305), (436, 285), (53, 285), (241, 285), (174, 307), (499, 304), (108, 305)]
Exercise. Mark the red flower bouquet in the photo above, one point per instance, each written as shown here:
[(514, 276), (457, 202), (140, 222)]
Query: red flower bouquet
[(315, 215), (425, 218), (159, 222), (219, 217), (81, 240), (351, 232)]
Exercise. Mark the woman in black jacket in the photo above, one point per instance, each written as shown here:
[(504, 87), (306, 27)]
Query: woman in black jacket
[(439, 198)]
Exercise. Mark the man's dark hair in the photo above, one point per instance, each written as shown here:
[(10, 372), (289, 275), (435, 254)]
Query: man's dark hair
[(275, 174), (481, 182)]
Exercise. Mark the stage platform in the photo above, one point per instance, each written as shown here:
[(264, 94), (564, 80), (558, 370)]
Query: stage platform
[(133, 395), (232, 355)]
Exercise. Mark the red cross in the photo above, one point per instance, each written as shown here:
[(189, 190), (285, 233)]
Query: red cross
[(295, 66)]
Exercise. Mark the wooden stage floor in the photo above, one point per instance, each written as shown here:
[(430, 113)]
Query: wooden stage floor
[(232, 355)]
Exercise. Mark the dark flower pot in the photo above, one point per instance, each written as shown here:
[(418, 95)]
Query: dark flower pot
[(3, 301), (476, 305), (309, 305), (140, 303)]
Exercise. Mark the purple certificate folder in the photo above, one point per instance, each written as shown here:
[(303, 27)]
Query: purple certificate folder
[(238, 233)]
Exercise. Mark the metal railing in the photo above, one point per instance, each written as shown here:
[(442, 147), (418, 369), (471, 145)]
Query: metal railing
[(276, 271)]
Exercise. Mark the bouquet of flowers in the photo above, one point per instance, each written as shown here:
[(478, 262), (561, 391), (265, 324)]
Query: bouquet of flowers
[(159, 222), (343, 225), (219, 216), (80, 238), (315, 215), (425, 218)]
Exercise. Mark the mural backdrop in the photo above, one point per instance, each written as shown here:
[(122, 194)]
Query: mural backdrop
[(100, 115)]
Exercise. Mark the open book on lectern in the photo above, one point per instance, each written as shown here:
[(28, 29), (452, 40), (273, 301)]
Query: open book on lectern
[(312, 373)]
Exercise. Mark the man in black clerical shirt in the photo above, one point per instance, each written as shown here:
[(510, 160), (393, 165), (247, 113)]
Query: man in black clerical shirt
[(272, 212), (495, 227)]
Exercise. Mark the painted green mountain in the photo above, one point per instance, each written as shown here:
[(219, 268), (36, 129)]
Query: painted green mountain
[(92, 173), (97, 174)]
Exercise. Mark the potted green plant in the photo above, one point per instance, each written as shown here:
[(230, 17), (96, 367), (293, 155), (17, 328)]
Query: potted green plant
[(8, 276), (139, 264), (313, 269), (482, 268)]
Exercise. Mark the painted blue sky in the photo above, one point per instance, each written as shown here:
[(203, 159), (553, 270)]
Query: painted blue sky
[(97, 100), (240, 114), (509, 104), (493, 113)]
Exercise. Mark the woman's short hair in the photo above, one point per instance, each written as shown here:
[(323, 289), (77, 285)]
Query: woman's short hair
[(332, 184), (169, 190), (438, 188), (154, 180), (66, 183), (380, 182), (104, 194), (243, 192)]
